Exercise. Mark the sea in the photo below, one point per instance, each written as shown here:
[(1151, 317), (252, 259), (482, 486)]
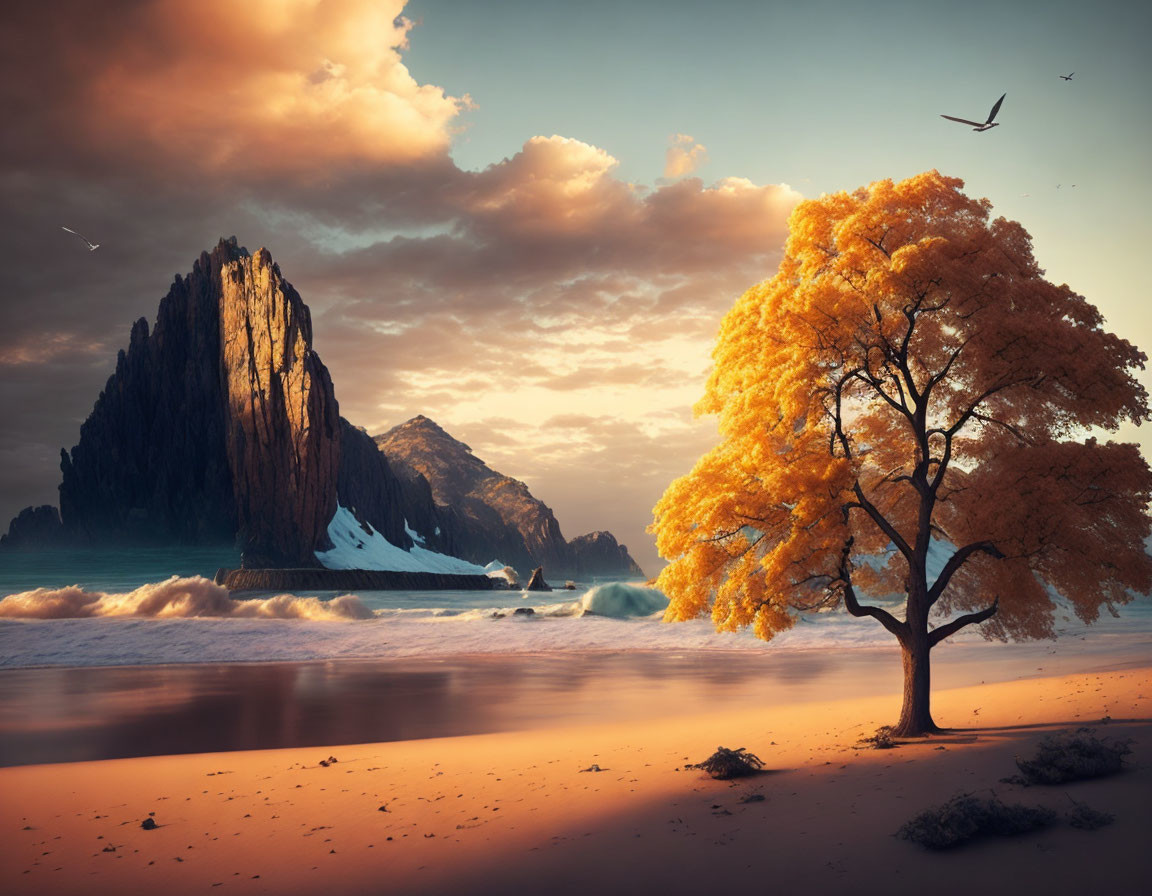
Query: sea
[(159, 606), (115, 654)]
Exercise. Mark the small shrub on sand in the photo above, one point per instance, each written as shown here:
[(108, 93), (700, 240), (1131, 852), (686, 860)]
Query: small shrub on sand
[(725, 763), (881, 740), (965, 817), (1085, 818), (1073, 756)]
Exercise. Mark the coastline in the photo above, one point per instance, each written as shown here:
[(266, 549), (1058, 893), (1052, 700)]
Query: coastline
[(512, 811), (70, 714)]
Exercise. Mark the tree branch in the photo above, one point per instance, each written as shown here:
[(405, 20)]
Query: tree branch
[(853, 606), (956, 561), (878, 518), (1008, 426), (939, 633), (939, 377)]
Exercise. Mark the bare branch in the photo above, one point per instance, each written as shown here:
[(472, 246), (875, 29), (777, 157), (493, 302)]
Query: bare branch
[(939, 633), (947, 367), (878, 518), (956, 561), (877, 244), (853, 606), (1008, 426)]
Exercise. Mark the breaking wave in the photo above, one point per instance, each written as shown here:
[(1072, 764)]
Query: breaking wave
[(621, 600), (176, 597)]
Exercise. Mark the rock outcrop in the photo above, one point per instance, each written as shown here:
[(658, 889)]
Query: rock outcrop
[(596, 553), (220, 425), (492, 515), (391, 503), (151, 465), (282, 420), (34, 529), (537, 583)]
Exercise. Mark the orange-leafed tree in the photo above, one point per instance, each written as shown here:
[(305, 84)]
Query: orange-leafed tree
[(909, 393)]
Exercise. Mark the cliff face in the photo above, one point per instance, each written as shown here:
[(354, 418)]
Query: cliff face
[(151, 464), (494, 516), (374, 493), (282, 432), (220, 425)]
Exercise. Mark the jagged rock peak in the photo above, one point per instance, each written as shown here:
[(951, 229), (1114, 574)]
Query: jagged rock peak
[(421, 446), (496, 516), (220, 422), (426, 428)]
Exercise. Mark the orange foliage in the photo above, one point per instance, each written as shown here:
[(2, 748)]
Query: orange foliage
[(910, 375)]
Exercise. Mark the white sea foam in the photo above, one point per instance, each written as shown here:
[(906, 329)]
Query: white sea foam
[(174, 597), (191, 620)]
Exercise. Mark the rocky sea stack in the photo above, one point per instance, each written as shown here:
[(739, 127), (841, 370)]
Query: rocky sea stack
[(220, 425)]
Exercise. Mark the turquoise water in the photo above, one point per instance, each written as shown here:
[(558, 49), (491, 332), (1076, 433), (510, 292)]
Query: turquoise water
[(305, 625), (120, 571), (108, 570)]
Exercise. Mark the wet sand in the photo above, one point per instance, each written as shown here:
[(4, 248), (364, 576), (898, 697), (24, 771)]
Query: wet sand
[(524, 811), (52, 715)]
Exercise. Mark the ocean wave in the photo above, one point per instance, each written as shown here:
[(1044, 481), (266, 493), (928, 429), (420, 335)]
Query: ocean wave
[(620, 600), (192, 620), (176, 597)]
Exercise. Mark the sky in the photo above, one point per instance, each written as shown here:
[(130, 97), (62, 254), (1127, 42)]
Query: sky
[(525, 220)]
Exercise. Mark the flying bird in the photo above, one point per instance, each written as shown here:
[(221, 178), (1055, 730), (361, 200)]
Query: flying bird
[(1067, 77), (978, 125), (92, 247)]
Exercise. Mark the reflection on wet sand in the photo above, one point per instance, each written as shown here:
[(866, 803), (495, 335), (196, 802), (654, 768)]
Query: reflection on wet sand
[(78, 714), (72, 715)]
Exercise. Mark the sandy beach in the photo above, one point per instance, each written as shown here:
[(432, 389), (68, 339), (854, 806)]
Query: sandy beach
[(519, 811)]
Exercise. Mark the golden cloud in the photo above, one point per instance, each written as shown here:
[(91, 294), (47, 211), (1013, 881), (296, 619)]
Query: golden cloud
[(264, 86), (683, 156)]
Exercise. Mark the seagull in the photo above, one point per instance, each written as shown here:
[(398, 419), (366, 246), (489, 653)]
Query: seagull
[(92, 247), (1067, 77), (980, 126)]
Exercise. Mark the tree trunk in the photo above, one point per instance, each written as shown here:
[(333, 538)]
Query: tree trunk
[(916, 713)]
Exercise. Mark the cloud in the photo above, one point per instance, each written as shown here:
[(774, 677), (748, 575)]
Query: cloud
[(541, 285), (683, 156), (260, 88), (46, 347)]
